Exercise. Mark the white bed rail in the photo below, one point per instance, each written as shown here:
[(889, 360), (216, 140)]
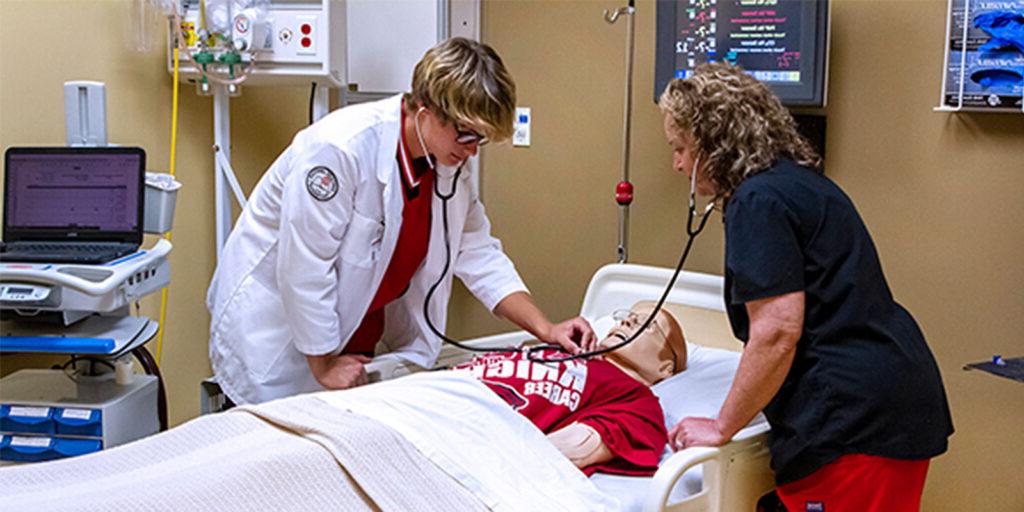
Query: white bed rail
[(735, 475)]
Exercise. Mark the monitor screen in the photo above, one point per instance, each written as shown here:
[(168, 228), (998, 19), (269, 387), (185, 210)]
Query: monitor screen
[(73, 190), (783, 43)]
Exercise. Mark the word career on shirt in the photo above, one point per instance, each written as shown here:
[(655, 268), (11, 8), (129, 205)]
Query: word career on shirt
[(559, 383)]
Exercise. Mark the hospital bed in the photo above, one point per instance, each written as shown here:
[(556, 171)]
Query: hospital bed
[(728, 478), (426, 441)]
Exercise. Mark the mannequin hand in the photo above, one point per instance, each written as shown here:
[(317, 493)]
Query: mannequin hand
[(339, 372), (696, 432), (574, 335)]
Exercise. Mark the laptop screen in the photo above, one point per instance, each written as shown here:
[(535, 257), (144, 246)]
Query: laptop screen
[(74, 194)]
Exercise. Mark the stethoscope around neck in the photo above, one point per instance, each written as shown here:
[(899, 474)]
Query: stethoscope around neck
[(447, 265), (444, 197), (691, 232)]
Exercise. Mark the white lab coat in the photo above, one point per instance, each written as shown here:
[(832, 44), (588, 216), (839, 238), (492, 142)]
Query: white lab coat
[(297, 274)]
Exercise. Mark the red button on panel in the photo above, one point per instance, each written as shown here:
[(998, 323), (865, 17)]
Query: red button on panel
[(306, 42), (306, 29)]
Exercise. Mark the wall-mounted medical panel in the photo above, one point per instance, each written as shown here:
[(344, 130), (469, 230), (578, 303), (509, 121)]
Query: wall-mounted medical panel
[(280, 42)]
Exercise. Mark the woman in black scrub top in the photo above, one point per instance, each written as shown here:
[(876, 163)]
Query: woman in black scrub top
[(842, 372)]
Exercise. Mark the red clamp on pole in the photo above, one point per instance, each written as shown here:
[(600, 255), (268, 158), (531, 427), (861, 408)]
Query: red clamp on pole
[(624, 193)]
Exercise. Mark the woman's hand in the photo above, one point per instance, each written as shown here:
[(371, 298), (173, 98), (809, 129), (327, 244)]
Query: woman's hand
[(696, 432), (339, 372), (574, 335)]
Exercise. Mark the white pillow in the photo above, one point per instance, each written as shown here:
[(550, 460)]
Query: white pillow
[(602, 325), (701, 389)]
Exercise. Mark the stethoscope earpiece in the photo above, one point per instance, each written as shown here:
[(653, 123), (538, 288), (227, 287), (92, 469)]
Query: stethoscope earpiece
[(419, 136)]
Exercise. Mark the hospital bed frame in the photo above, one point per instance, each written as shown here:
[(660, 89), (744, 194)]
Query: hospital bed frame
[(735, 475)]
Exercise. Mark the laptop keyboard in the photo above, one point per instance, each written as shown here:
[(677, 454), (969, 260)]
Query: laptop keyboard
[(56, 252)]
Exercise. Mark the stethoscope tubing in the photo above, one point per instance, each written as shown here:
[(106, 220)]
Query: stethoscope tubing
[(691, 233), (691, 236), (447, 265), (530, 351)]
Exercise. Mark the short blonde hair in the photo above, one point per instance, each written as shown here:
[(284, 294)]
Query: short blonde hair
[(465, 83), (738, 127)]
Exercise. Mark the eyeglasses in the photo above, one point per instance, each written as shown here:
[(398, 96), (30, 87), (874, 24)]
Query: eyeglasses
[(467, 137), (634, 319)]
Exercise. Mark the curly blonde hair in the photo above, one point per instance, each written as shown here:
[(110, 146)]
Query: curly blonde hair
[(465, 83), (737, 126)]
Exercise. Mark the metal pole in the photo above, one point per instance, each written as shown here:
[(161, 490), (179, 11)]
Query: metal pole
[(624, 190), (321, 102), (443, 19), (222, 140)]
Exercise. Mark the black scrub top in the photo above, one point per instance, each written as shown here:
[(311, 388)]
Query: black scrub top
[(863, 380)]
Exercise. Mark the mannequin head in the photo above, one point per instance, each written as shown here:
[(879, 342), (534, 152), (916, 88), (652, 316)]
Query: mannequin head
[(659, 352)]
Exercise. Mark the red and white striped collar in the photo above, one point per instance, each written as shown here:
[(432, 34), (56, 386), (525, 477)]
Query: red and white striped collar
[(405, 156)]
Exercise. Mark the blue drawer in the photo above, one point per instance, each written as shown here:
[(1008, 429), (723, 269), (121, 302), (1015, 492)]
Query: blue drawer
[(78, 422), (27, 448), (39, 448), (75, 447), (26, 419)]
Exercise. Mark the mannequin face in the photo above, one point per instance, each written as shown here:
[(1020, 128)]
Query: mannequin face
[(659, 352), (440, 138)]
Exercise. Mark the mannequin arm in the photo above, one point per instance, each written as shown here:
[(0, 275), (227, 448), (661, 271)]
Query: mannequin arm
[(581, 444)]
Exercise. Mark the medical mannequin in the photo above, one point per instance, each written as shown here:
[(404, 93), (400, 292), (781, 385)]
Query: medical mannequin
[(659, 352)]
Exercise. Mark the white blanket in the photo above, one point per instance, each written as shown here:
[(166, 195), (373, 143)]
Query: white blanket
[(231, 461), (297, 454), (476, 438), (449, 444)]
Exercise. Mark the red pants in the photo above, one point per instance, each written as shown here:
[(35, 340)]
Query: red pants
[(858, 483)]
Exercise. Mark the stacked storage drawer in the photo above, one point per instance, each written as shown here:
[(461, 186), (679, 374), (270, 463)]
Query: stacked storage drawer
[(44, 415), (34, 434)]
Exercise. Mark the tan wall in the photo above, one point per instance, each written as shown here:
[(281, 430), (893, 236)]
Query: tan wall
[(941, 193), (45, 43)]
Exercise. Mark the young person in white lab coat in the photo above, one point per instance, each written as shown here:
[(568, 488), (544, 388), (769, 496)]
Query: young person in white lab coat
[(343, 237)]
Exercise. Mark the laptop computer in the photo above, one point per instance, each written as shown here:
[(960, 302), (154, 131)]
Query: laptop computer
[(72, 204)]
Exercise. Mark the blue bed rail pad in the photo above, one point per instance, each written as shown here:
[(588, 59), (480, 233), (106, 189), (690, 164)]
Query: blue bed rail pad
[(57, 345)]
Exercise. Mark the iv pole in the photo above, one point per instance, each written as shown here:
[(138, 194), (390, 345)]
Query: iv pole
[(624, 189)]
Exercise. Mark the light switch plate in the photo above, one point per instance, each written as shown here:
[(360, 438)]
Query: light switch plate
[(521, 135)]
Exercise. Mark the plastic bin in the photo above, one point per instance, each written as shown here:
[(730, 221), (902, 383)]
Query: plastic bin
[(25, 419), (39, 449), (161, 194), (79, 422)]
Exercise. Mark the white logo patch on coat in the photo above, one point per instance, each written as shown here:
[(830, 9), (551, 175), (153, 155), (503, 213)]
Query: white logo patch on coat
[(321, 183)]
